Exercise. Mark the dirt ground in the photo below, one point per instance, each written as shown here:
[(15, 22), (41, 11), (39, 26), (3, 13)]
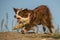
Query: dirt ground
[(28, 36)]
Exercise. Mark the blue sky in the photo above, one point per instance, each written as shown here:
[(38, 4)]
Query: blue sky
[(6, 6)]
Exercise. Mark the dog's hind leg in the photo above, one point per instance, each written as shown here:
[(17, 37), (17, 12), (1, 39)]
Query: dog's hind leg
[(44, 24), (50, 26), (44, 28)]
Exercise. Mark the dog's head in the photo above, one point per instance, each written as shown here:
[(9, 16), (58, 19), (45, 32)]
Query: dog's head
[(22, 15)]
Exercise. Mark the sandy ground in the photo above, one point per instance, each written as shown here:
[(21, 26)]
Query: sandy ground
[(19, 36)]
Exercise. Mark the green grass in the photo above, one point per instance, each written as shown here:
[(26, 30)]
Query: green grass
[(55, 36)]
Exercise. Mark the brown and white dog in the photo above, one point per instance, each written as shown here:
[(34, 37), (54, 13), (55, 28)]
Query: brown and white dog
[(37, 16)]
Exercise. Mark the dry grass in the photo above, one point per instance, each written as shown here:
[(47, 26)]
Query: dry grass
[(33, 36)]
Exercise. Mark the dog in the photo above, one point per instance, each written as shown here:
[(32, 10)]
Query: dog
[(41, 15)]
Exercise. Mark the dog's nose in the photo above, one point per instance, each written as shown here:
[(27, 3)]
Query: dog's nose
[(14, 16)]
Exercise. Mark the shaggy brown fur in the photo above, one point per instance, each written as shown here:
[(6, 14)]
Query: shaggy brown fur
[(38, 16), (43, 16)]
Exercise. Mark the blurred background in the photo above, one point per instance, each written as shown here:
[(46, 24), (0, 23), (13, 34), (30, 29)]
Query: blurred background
[(7, 20)]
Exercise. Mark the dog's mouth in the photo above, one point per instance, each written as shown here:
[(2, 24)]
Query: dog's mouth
[(22, 19), (18, 20)]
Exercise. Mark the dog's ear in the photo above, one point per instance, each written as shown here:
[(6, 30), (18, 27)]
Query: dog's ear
[(15, 10)]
